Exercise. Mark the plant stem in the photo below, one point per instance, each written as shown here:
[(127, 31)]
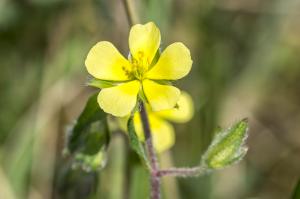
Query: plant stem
[(154, 173), (182, 172), (154, 177), (130, 12)]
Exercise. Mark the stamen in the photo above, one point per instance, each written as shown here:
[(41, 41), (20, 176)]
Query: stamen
[(139, 65)]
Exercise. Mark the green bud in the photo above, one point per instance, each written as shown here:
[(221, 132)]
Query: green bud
[(228, 147)]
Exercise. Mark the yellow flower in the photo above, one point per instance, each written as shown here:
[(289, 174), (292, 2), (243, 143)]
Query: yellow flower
[(162, 131), (140, 73)]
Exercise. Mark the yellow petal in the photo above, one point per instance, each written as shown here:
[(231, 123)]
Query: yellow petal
[(160, 97), (138, 126), (119, 100), (144, 41), (182, 113), (162, 132), (174, 63), (106, 63), (163, 135)]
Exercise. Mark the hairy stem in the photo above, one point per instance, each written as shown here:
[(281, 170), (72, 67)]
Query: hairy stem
[(154, 177), (154, 173), (182, 172)]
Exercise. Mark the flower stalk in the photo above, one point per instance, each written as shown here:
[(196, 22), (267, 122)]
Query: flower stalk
[(154, 173), (182, 172)]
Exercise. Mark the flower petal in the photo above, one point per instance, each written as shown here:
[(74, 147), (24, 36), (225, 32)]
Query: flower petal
[(174, 63), (163, 135), (144, 40), (162, 132), (182, 113), (106, 63), (160, 97), (119, 100)]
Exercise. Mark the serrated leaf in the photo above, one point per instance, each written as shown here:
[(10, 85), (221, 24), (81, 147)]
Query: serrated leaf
[(135, 143), (86, 125), (89, 137), (227, 147), (96, 138)]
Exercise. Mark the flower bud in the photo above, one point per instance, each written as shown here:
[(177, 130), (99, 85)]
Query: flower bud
[(228, 147)]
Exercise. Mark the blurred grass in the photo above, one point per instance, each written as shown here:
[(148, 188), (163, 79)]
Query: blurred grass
[(246, 64)]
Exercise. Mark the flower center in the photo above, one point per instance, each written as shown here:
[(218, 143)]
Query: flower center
[(139, 66)]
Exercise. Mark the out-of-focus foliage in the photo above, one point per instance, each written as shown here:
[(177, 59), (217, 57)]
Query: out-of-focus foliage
[(246, 64), (296, 194)]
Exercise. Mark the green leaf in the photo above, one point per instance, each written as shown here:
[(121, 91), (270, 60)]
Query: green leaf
[(71, 183), (88, 139), (296, 194), (91, 114), (100, 83), (90, 162), (135, 143), (227, 147)]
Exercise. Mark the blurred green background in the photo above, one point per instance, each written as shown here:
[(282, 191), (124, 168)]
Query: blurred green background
[(246, 64)]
